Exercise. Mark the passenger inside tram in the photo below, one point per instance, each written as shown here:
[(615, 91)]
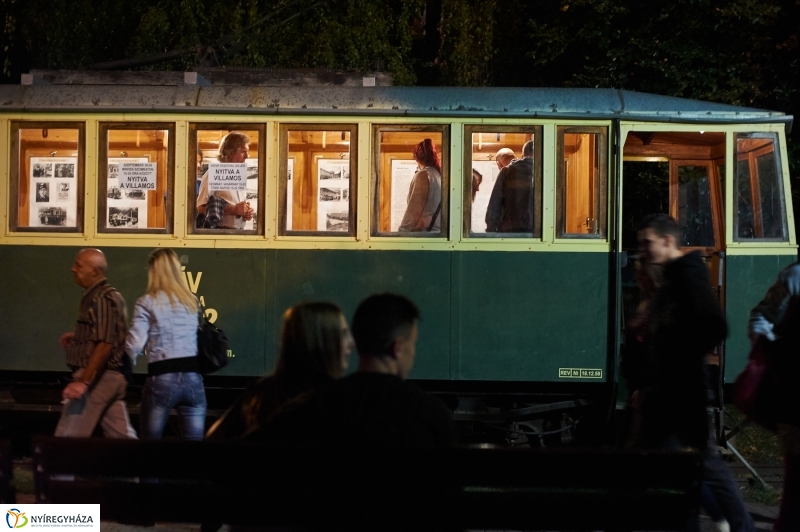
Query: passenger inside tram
[(236, 211)]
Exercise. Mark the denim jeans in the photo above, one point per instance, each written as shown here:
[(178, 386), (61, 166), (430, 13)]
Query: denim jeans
[(182, 391)]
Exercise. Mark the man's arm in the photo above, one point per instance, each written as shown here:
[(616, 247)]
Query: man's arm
[(97, 361)]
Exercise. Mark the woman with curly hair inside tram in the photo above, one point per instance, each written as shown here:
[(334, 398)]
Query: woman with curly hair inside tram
[(315, 349), (423, 212)]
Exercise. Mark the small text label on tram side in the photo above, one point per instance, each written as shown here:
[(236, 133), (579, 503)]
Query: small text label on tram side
[(580, 373)]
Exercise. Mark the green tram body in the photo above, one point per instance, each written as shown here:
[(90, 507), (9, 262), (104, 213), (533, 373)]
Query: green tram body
[(500, 314)]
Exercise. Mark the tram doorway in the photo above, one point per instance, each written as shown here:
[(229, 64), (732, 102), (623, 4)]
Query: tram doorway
[(682, 174)]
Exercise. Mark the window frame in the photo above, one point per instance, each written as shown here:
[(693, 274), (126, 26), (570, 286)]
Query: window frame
[(716, 200), (14, 174), (191, 210), (538, 172), (603, 166), (102, 176), (283, 169), (755, 191), (444, 130)]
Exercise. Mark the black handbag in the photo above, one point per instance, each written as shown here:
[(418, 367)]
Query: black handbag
[(212, 346)]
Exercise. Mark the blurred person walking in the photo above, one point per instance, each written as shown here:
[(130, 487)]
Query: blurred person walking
[(685, 322), (777, 317)]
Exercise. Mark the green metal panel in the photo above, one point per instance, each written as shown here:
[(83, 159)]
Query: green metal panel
[(522, 316), (238, 285), (548, 311), (347, 277), (41, 300), (747, 279)]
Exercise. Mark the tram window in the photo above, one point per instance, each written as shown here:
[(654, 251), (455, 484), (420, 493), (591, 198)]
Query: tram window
[(694, 203), (318, 179), (411, 192), (758, 186), (228, 189), (136, 173), (490, 208), (47, 176), (582, 181)]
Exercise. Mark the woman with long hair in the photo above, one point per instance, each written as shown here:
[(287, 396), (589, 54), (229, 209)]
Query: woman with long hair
[(424, 210), (165, 322), (314, 350)]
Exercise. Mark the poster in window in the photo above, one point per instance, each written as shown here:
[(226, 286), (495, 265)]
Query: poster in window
[(126, 206), (53, 196), (488, 171), (232, 188), (289, 193), (402, 173), (251, 193), (333, 203)]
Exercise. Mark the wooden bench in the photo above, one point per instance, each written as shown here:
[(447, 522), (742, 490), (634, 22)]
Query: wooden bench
[(465, 488)]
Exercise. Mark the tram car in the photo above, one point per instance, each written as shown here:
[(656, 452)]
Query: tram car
[(514, 315)]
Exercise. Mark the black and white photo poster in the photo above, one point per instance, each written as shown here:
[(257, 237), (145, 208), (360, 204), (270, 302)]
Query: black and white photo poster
[(128, 182), (53, 197), (333, 205)]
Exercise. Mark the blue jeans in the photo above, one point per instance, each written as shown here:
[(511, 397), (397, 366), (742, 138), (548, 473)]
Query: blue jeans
[(182, 391)]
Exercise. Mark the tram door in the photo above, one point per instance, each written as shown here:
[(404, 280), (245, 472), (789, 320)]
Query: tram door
[(683, 174)]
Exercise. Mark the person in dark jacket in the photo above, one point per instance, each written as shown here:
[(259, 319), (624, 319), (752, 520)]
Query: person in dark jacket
[(777, 319), (685, 323), (510, 207)]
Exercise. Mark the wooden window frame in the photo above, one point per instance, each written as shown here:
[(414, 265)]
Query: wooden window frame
[(561, 184), (538, 151), (755, 186), (191, 210), (102, 176), (444, 130), (715, 198), (283, 162), (14, 160)]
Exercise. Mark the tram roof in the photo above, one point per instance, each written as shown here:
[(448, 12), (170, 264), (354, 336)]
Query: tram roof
[(500, 102)]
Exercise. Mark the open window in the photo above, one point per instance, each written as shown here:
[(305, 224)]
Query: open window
[(582, 180), (410, 192), (47, 176), (137, 164), (318, 179), (228, 191), (758, 189), (507, 204)]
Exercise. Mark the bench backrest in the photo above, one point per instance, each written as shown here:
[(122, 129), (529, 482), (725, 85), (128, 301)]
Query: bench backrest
[(243, 483)]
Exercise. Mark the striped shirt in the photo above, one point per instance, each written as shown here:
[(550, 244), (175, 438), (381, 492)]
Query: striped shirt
[(102, 317)]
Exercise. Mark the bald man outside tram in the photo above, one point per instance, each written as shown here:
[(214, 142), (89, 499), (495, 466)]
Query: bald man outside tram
[(96, 355)]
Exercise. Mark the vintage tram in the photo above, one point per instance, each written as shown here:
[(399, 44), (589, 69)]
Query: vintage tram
[(504, 314)]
